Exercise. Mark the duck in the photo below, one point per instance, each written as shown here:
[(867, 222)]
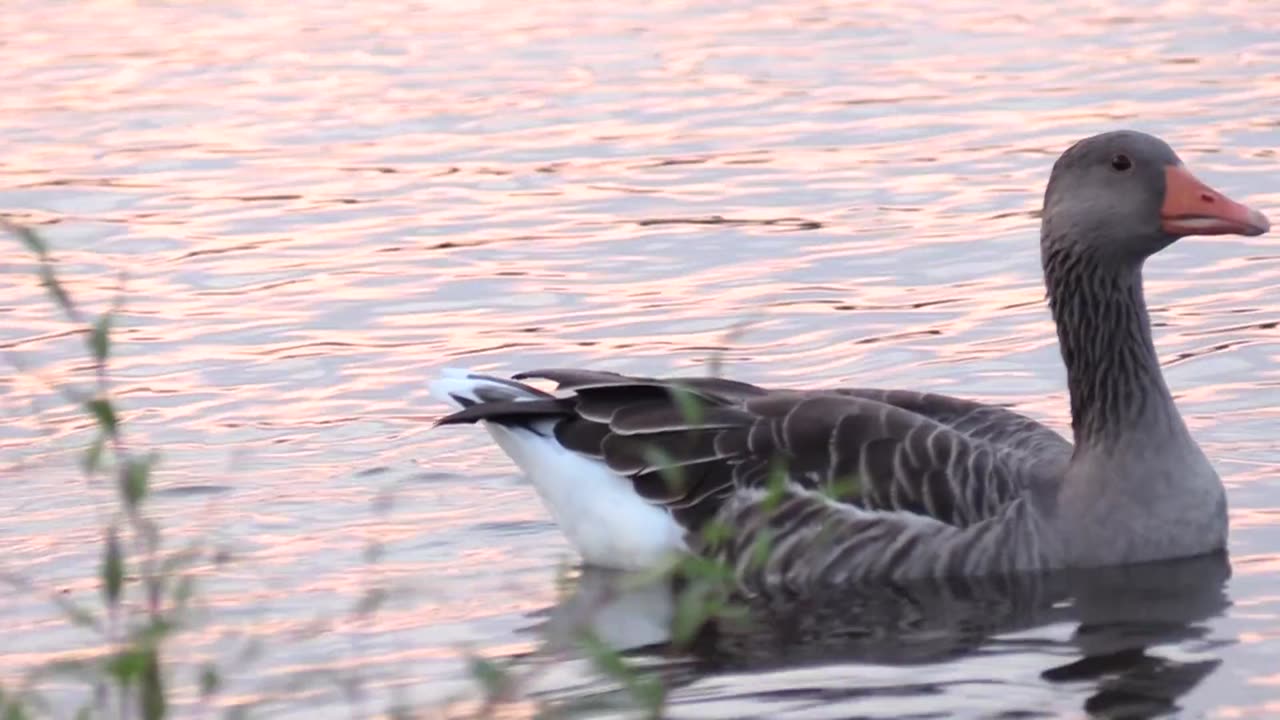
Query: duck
[(796, 489)]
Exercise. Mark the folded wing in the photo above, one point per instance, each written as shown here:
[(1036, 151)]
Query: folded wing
[(690, 443)]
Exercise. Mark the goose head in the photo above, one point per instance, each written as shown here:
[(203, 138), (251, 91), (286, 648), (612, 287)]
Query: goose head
[(1123, 196)]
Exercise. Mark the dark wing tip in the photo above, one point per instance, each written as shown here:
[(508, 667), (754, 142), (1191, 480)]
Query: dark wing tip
[(507, 412)]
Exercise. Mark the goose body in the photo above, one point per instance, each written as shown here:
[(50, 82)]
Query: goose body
[(854, 484)]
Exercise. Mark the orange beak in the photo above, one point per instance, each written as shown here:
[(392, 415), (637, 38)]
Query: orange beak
[(1193, 208)]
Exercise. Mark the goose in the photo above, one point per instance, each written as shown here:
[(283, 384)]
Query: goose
[(853, 485)]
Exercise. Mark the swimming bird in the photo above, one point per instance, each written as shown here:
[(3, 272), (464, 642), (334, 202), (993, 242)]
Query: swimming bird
[(852, 485)]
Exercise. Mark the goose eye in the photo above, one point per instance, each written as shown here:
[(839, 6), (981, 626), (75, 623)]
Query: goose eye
[(1121, 162)]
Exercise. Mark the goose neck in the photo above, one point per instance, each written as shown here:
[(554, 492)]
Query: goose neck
[(1104, 332)]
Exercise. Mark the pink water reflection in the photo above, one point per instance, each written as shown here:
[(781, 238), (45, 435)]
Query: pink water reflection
[(320, 205)]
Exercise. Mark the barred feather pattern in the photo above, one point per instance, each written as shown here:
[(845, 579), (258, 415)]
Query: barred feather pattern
[(1104, 333), (894, 475), (799, 541), (688, 443)]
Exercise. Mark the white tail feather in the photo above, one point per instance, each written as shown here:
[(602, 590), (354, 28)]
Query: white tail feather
[(599, 511), (456, 385)]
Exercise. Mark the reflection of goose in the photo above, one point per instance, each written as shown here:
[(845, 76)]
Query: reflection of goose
[(620, 609), (1117, 608), (898, 484), (1120, 614)]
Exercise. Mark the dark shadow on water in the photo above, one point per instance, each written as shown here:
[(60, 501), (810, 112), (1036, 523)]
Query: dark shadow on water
[(1120, 616)]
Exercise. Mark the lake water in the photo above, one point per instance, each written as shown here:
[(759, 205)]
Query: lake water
[(319, 206)]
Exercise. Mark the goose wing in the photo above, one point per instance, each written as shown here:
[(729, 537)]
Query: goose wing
[(690, 443), (993, 424)]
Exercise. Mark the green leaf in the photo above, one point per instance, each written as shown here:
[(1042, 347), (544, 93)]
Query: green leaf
[(706, 594), (78, 616), (400, 711), (181, 559), (210, 680), (15, 711), (607, 660), (112, 568), (384, 501), (135, 479), (706, 568), (716, 532), (149, 530), (223, 556), (761, 547), (671, 473), (690, 405), (153, 702), (371, 601), (646, 691), (93, 455), (33, 241), (141, 665), (563, 582), (493, 678), (777, 484), (844, 488), (651, 695), (127, 665), (104, 413), (100, 338), (59, 294), (184, 591), (693, 608)]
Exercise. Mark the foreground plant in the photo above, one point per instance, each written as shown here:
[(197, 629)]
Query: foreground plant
[(144, 590)]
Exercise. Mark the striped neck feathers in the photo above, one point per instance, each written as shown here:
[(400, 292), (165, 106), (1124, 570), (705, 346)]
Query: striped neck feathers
[(1104, 332)]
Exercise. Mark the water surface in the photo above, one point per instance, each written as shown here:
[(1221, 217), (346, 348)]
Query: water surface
[(320, 206)]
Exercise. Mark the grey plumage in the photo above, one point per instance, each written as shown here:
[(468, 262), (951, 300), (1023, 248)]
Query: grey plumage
[(865, 480), (852, 485)]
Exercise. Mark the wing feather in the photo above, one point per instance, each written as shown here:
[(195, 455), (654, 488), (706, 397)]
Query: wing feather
[(695, 444)]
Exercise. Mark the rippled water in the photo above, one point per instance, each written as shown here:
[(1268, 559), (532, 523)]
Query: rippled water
[(318, 207)]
